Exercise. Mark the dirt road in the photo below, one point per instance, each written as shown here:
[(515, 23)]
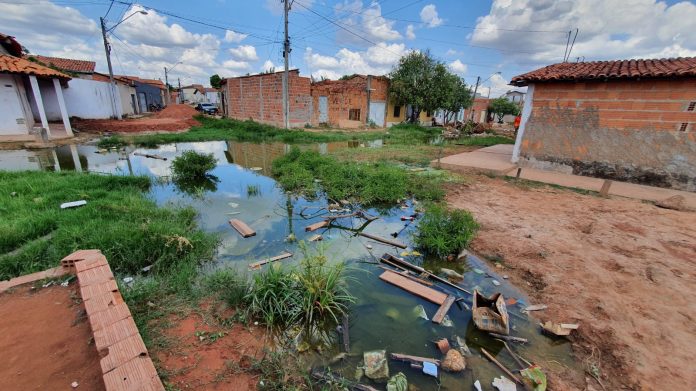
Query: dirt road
[(624, 270), (172, 118)]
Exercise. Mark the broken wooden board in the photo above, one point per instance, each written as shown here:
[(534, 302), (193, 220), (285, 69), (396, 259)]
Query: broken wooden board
[(536, 307), (316, 238), (560, 330), (316, 226), (242, 228), (257, 265), (383, 240), (147, 155), (417, 289), (413, 359), (442, 311)]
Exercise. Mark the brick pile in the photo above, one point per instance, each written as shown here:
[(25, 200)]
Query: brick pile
[(125, 362)]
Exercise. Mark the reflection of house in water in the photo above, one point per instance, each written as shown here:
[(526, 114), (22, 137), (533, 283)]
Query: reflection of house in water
[(53, 159), (262, 155)]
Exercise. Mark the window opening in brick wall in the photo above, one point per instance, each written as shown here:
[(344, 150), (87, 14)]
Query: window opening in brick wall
[(683, 126), (354, 114), (691, 107), (397, 111)]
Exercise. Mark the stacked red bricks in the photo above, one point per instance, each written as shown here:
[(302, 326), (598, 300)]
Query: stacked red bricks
[(125, 362)]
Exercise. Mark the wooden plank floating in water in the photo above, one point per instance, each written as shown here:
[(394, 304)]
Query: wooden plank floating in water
[(257, 265), (149, 156), (501, 366), (442, 311), (383, 240), (417, 289), (242, 228), (316, 238), (413, 359), (316, 226)]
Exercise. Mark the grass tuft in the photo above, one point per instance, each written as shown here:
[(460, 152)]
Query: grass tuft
[(443, 231)]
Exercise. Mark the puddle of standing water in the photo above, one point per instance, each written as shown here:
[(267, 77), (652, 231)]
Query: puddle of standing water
[(383, 315)]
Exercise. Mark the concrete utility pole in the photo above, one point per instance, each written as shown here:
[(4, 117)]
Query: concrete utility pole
[(166, 85), (112, 85), (286, 73), (473, 102)]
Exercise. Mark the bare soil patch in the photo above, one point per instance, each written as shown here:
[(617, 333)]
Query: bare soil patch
[(204, 355), (46, 341), (623, 269), (172, 118)]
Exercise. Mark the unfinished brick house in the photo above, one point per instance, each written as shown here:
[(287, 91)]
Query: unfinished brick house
[(631, 120), (353, 102), (260, 98)]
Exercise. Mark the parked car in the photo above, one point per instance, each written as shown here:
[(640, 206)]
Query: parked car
[(207, 108)]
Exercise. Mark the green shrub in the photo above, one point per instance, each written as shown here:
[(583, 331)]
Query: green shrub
[(442, 231), (111, 142), (193, 165), (231, 287)]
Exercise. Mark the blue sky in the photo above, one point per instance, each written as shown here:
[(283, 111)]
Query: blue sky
[(331, 38)]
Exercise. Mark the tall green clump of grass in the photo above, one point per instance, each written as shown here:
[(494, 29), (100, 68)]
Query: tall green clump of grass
[(443, 232), (193, 165), (111, 142), (230, 286), (308, 296)]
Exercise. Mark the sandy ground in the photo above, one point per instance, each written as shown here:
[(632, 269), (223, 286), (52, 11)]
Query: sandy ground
[(46, 342), (222, 364), (173, 117), (623, 269)]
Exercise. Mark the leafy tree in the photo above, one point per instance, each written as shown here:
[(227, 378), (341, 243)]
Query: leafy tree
[(412, 81), (456, 96), (216, 81), (501, 107)]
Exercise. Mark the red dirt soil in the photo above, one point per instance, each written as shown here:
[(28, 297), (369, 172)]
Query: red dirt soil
[(172, 118), (46, 341), (623, 269), (205, 365)]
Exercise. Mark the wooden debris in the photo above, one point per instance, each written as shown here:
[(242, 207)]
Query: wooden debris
[(408, 275), (147, 155), (316, 226), (413, 359), (336, 379), (383, 240), (442, 311), (257, 265), (560, 330), (509, 338), (501, 366), (316, 238), (242, 228), (345, 333), (536, 307), (392, 260), (443, 345), (417, 289), (513, 354)]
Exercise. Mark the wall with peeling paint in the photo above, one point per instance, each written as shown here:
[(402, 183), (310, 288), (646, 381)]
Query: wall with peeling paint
[(635, 131)]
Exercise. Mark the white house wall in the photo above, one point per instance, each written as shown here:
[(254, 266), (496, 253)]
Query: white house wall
[(88, 99), (14, 118), (212, 97), (50, 101), (125, 92)]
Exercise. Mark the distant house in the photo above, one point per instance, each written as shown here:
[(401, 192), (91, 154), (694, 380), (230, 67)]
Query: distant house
[(515, 96), (212, 95), (194, 93), (629, 120), (150, 92), (77, 68), (351, 102)]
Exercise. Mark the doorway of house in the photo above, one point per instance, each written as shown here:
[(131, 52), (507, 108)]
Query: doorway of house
[(323, 110), (142, 102)]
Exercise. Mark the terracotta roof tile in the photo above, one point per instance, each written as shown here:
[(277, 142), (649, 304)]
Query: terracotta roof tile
[(9, 64), (66, 64), (621, 69)]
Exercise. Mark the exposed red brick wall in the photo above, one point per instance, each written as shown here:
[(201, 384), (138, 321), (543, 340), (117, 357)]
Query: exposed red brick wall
[(260, 98), (627, 129), (344, 95)]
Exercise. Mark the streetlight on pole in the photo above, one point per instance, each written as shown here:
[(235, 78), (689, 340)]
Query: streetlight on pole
[(478, 82), (107, 49)]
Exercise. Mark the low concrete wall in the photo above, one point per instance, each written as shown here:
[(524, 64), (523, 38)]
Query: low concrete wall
[(87, 99)]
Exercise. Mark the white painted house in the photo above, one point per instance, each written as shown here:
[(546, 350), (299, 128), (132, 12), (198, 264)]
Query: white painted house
[(25, 101)]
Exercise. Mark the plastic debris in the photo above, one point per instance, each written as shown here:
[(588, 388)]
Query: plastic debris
[(376, 366), (73, 204), (430, 368), (478, 271), (536, 307), (397, 382), (419, 311), (255, 168), (74, 384), (463, 348), (535, 377), (504, 384), (495, 282), (477, 385), (447, 322), (392, 313), (233, 204), (147, 268), (368, 246), (128, 280), (452, 274)]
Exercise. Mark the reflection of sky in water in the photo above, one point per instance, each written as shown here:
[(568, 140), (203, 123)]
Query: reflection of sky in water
[(382, 317)]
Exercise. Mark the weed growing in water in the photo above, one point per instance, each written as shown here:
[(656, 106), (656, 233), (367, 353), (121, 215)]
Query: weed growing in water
[(193, 165), (111, 142), (253, 190), (369, 183), (442, 231)]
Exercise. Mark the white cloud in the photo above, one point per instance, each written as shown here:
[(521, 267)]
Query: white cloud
[(457, 67), (235, 65), (367, 22), (152, 29), (234, 37), (496, 86), (410, 33), (376, 60), (608, 29), (244, 53), (268, 65), (429, 16), (451, 52)]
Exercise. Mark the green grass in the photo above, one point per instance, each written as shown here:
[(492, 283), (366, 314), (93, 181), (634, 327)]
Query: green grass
[(112, 142), (118, 219), (193, 165), (212, 129), (367, 183), (484, 141), (443, 231)]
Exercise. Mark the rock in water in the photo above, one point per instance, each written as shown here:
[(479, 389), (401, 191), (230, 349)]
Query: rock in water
[(451, 274), (398, 382), (376, 366), (454, 361)]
